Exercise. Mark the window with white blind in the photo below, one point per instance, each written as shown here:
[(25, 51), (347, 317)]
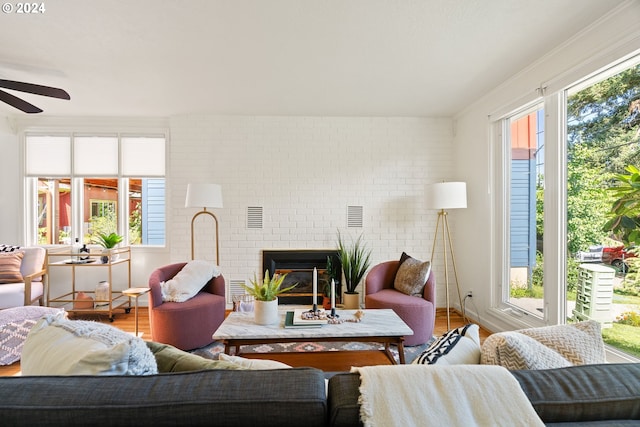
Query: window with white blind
[(79, 185)]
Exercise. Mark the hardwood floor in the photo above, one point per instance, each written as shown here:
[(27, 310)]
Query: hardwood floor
[(328, 361)]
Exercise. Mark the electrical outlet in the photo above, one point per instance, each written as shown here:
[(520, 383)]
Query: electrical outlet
[(469, 294)]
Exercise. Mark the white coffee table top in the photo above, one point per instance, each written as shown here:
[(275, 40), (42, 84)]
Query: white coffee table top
[(375, 323)]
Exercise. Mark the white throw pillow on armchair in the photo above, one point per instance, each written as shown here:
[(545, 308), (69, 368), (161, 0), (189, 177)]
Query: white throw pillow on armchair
[(189, 281)]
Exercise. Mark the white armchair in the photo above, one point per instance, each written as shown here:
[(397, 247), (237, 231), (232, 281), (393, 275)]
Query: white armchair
[(23, 285)]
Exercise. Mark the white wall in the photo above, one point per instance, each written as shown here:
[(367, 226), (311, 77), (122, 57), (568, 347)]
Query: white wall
[(304, 172), (589, 50), (10, 200)]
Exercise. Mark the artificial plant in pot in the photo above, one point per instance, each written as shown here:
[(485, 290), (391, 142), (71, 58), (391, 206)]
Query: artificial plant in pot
[(355, 260), (265, 294), (108, 242), (333, 273)]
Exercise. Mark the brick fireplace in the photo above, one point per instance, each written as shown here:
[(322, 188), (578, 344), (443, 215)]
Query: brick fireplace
[(299, 264)]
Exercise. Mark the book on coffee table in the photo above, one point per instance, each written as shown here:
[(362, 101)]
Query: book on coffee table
[(298, 320), (288, 322)]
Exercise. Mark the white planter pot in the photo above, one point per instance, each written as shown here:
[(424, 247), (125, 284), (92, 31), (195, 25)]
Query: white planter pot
[(266, 312)]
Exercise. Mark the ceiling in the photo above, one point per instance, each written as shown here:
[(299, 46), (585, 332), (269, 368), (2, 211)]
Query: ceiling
[(280, 57)]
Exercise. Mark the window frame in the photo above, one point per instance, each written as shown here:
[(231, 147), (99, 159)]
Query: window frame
[(554, 95), (77, 185)]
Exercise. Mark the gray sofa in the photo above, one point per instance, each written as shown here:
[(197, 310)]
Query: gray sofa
[(599, 395), (582, 395)]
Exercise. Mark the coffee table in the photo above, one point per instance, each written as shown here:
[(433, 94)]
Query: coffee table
[(378, 325)]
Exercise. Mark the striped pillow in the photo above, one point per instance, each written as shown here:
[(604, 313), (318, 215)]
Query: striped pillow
[(10, 267)]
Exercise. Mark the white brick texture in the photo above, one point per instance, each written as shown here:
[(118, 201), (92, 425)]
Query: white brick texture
[(304, 172)]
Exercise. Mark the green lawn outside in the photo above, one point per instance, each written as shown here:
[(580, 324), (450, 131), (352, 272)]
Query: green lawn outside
[(623, 337)]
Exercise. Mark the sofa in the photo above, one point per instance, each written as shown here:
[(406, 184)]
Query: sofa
[(603, 394)]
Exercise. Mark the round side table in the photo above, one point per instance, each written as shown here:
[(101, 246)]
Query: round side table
[(136, 293)]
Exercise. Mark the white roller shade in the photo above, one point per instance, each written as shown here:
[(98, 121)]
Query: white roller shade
[(143, 157), (48, 155), (95, 156)]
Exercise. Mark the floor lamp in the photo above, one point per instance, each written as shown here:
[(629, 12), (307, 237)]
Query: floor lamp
[(442, 196), (204, 196)]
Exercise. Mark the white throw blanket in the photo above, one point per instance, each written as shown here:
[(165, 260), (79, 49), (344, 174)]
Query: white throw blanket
[(457, 395)]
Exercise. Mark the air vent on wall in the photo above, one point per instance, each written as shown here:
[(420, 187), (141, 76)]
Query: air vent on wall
[(235, 288), (354, 216), (254, 217)]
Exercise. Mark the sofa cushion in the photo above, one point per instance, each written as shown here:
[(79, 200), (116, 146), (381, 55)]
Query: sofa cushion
[(265, 398), (546, 347), (58, 346), (459, 346), (597, 394), (189, 281), (33, 261), (412, 275), (10, 267), (172, 359), (253, 363)]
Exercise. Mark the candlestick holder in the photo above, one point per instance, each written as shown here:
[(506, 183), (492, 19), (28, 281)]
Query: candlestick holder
[(333, 314)]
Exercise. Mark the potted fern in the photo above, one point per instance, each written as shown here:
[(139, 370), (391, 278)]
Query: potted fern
[(355, 260), (266, 294)]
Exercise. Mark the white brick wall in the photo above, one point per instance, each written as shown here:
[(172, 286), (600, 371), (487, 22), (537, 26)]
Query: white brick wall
[(304, 172)]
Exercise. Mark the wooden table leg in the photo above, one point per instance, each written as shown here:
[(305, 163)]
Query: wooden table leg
[(401, 350)]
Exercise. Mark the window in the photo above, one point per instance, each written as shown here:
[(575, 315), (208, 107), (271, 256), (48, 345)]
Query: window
[(80, 185), (559, 156), (525, 146)]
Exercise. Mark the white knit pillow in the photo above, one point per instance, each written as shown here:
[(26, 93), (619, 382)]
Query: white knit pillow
[(546, 347), (58, 346), (189, 281)]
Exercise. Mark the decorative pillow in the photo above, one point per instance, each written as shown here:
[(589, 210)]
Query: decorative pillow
[(10, 267), (546, 347), (189, 281), (253, 363), (9, 248), (58, 346), (15, 324), (460, 346), (412, 275), (514, 351), (171, 359)]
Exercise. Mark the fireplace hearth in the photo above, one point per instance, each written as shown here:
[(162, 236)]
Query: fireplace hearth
[(298, 264)]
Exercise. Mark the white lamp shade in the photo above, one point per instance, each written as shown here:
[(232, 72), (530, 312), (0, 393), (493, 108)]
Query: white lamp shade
[(447, 195), (203, 196)]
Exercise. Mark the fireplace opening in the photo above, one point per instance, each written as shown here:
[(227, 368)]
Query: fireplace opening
[(298, 264)]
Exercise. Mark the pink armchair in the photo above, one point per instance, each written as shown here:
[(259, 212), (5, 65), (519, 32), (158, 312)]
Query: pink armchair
[(418, 313), (190, 324)]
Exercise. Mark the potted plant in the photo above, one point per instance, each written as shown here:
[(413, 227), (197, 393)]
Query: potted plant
[(266, 294), (333, 274), (108, 242), (355, 260)]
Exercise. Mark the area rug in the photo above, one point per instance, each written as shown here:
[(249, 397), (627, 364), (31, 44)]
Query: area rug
[(410, 353)]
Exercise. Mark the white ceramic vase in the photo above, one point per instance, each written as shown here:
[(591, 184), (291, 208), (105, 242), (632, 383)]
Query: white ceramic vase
[(266, 312)]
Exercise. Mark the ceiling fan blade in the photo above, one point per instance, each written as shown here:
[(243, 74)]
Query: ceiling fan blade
[(18, 103), (49, 91)]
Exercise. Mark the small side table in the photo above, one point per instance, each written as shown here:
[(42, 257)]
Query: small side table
[(136, 293)]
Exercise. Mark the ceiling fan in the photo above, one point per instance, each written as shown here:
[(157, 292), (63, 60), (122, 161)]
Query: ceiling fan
[(23, 105)]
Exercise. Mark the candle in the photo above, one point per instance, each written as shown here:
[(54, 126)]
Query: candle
[(333, 294), (315, 285)]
